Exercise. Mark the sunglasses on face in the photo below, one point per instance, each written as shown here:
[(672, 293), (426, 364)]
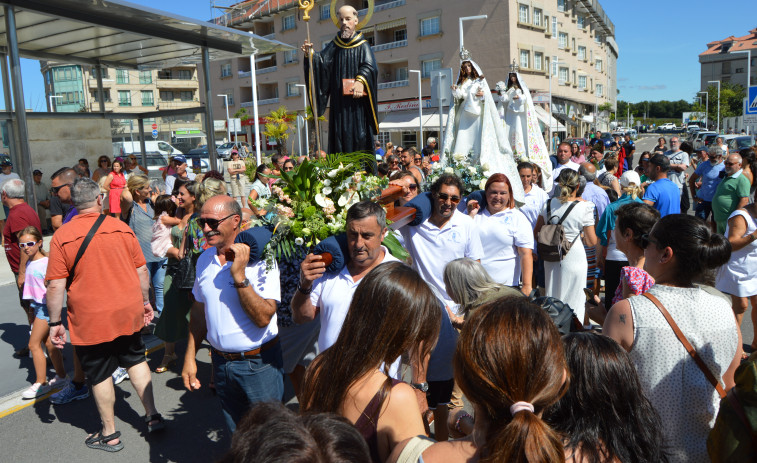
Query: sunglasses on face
[(444, 197), (28, 244), (413, 187), (56, 189), (288, 169), (394, 162), (417, 159), (212, 223)]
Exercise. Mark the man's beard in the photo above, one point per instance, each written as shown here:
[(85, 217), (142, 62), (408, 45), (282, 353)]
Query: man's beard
[(347, 33)]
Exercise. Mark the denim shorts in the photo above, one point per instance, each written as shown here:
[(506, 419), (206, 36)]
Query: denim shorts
[(40, 311)]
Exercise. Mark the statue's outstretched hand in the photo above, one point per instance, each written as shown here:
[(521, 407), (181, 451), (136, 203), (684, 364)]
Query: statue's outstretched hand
[(306, 46)]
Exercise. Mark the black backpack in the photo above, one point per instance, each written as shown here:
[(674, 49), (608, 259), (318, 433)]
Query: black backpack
[(560, 313)]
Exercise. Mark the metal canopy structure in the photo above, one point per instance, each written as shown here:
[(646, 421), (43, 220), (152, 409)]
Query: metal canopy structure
[(111, 33)]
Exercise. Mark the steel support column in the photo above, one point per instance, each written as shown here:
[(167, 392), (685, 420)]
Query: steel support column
[(209, 125)]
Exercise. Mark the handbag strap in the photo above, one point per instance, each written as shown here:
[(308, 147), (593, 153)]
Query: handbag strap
[(83, 247), (687, 345)]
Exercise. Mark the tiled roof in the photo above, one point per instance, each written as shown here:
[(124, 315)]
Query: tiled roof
[(747, 42)]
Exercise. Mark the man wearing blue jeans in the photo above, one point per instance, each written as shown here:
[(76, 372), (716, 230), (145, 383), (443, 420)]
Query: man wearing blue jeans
[(708, 175), (235, 310)]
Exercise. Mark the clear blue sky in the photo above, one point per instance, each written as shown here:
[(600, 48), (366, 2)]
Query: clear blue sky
[(659, 43)]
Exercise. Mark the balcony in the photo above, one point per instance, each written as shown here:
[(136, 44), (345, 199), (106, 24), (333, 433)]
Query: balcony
[(248, 104), (395, 84), (596, 15), (389, 46), (382, 7), (244, 74), (107, 83), (177, 83), (267, 70)]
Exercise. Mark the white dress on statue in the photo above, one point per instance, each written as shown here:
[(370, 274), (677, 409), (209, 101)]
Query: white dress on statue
[(514, 108), (468, 136)]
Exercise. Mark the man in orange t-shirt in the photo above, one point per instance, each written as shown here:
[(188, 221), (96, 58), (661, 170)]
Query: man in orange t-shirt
[(108, 304)]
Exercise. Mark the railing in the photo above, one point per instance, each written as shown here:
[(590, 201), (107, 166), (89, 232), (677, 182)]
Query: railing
[(382, 7), (390, 45), (266, 70), (243, 74), (248, 104), (397, 83)]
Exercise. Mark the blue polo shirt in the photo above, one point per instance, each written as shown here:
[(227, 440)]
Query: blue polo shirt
[(710, 176), (665, 195)]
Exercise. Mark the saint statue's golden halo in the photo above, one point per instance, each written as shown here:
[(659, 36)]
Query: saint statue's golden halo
[(361, 24)]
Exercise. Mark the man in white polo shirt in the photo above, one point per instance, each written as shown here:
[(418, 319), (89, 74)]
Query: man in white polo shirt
[(446, 235), (331, 295), (235, 310)]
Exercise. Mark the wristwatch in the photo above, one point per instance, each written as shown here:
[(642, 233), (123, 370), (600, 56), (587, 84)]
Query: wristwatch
[(245, 283), (423, 387)]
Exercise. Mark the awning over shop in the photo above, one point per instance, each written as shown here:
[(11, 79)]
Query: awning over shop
[(190, 133), (408, 121), (390, 24), (547, 121)]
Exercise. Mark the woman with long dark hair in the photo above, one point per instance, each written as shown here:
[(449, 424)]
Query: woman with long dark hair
[(678, 251), (510, 365), (605, 416), (393, 312)]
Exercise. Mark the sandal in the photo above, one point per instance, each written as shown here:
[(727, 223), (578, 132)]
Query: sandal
[(100, 442), (160, 422), (166, 363)]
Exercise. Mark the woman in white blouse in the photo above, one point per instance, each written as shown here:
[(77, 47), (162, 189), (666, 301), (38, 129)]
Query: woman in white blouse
[(505, 234)]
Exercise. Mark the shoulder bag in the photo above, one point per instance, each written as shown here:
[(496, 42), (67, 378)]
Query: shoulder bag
[(83, 248), (183, 271)]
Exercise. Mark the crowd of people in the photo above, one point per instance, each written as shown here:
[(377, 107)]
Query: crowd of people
[(383, 350)]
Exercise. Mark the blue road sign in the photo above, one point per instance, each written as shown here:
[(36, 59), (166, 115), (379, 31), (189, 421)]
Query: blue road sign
[(154, 134), (751, 101)]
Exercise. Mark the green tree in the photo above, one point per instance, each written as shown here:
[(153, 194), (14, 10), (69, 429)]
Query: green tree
[(731, 101), (278, 126)]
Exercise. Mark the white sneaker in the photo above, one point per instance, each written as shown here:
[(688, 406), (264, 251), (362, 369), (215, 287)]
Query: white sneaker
[(119, 375), (36, 390)]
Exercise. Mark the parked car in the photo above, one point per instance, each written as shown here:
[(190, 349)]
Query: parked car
[(583, 147), (697, 142), (667, 126), (125, 148), (224, 150), (706, 140), (739, 142), (156, 163), (198, 160)]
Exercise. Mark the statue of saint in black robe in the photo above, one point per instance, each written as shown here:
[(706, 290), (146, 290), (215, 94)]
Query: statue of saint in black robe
[(352, 121)]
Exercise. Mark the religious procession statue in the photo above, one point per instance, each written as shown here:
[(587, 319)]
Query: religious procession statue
[(516, 108), (345, 73), (475, 128)]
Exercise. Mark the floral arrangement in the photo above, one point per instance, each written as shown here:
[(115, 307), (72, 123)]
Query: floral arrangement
[(473, 175), (311, 203)]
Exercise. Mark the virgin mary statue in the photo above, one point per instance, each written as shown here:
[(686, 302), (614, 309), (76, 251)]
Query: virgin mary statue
[(475, 128), (521, 124)]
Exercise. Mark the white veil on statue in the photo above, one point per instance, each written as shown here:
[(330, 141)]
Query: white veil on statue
[(522, 125), (473, 126)]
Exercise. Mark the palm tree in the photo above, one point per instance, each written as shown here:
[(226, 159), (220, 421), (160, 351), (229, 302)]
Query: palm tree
[(278, 126)]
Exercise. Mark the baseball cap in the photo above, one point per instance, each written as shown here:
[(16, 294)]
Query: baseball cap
[(180, 159), (37, 172), (5, 163), (628, 178)]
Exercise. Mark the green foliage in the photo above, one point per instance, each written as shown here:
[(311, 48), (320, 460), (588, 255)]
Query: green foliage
[(242, 114), (278, 126)]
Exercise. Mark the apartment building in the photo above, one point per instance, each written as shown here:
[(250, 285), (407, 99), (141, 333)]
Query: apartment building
[(729, 60), (572, 40), (73, 88)]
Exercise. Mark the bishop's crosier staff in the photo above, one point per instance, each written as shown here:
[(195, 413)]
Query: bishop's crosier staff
[(306, 6)]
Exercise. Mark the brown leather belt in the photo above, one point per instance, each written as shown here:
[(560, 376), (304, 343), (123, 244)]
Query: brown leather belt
[(249, 353)]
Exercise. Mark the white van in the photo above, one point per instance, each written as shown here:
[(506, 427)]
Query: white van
[(125, 148)]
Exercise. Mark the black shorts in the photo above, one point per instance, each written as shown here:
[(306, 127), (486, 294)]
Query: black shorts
[(439, 392), (99, 361)]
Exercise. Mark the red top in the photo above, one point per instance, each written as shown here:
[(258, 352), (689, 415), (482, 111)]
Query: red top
[(19, 217)]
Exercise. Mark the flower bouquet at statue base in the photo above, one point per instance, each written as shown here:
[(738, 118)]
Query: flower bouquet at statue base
[(472, 174)]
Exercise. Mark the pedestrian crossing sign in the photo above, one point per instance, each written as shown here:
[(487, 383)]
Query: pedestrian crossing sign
[(751, 101)]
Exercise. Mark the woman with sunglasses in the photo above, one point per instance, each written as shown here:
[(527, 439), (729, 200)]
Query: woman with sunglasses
[(505, 234), (680, 250), (409, 185), (187, 238), (394, 163), (289, 165), (103, 168), (115, 183), (30, 242)]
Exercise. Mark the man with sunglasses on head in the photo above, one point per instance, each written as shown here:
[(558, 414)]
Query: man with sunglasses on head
[(61, 208), (446, 235), (235, 310), (20, 216)]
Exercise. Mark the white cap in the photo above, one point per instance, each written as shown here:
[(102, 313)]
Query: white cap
[(628, 178)]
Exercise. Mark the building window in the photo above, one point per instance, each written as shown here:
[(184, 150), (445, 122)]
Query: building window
[(739, 70), (598, 38), (400, 35), (325, 11), (537, 17), (524, 55), (293, 89), (575, 81), (124, 98), (538, 60), (147, 99), (563, 75), (427, 67), (554, 65), (429, 26), (600, 90), (187, 95), (401, 74), (523, 14), (562, 42), (166, 96), (230, 98), (582, 53), (106, 94), (96, 70), (287, 23), (290, 56), (582, 82), (598, 65), (560, 5), (573, 42), (184, 74), (145, 77), (580, 22), (554, 27), (226, 70), (122, 76)]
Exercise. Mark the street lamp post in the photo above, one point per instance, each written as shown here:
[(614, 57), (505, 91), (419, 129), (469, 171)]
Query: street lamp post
[(706, 108), (717, 82), (420, 108), (51, 102), (305, 109), (468, 18), (228, 122)]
